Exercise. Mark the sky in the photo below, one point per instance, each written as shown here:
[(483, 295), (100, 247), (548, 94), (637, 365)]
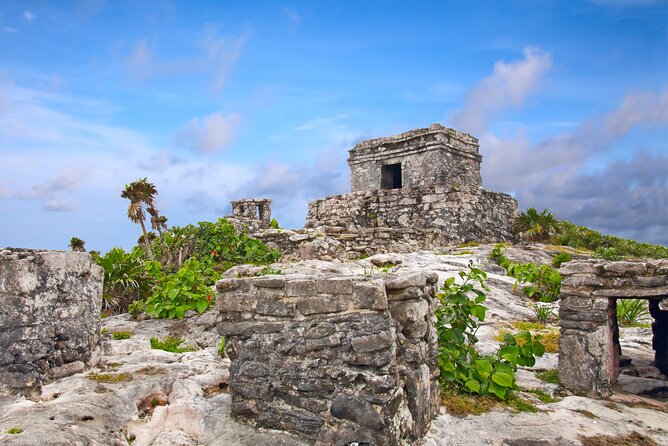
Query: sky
[(215, 101)]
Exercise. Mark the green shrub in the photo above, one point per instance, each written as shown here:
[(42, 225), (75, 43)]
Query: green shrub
[(118, 335), (458, 318), (274, 224), (188, 289), (560, 258), (127, 277), (606, 246), (14, 430), (217, 241), (170, 344), (631, 311), (536, 227), (545, 280)]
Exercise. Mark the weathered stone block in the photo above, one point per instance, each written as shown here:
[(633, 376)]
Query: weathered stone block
[(323, 304), (50, 316), (370, 295), (329, 371)]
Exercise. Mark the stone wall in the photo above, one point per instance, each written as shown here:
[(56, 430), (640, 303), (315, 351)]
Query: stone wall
[(589, 340), (430, 156), (50, 304), (334, 360), (409, 218)]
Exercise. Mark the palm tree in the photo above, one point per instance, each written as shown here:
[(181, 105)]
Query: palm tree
[(158, 222), (77, 245), (140, 193), (537, 227)]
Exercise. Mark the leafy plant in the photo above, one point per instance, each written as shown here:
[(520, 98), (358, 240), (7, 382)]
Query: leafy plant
[(170, 344), (631, 311), (127, 277), (274, 224), (545, 280), (14, 430), (188, 289), (606, 246), (536, 227), (560, 258), (118, 335), (76, 244), (458, 318), (543, 312)]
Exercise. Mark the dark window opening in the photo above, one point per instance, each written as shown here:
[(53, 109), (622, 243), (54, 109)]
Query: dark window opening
[(390, 176)]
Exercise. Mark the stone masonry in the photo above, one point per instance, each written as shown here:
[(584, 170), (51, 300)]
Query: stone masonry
[(417, 190), (423, 157), (589, 341), (422, 187), (333, 359), (50, 304)]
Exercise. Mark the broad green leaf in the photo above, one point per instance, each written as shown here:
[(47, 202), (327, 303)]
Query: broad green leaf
[(538, 349), (483, 367), (202, 305), (503, 379), (473, 385), (497, 390)]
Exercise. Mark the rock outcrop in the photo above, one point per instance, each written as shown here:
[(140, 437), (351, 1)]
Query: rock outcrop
[(50, 305)]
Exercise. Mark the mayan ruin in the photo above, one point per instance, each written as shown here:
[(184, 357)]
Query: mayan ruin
[(333, 223)]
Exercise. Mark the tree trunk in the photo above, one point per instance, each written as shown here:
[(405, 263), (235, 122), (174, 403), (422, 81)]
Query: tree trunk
[(146, 242)]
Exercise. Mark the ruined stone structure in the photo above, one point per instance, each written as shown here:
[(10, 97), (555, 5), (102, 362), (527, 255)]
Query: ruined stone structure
[(589, 340), (251, 214), (333, 359), (423, 157), (419, 189), (50, 304)]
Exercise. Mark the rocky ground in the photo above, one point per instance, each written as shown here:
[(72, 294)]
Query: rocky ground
[(142, 396)]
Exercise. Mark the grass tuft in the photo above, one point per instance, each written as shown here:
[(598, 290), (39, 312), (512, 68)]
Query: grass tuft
[(170, 344), (109, 378), (118, 335), (14, 431), (549, 376), (632, 439), (464, 404), (544, 397)]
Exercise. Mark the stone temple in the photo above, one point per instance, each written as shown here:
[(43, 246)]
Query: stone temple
[(418, 189)]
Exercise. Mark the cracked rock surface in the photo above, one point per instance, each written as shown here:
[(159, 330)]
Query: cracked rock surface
[(153, 397)]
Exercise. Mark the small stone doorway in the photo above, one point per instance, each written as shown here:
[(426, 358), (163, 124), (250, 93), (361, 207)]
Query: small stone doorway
[(390, 176), (589, 341)]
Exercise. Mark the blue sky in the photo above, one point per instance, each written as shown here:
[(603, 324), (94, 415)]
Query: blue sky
[(214, 101)]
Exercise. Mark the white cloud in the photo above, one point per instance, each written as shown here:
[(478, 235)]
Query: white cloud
[(29, 16), (322, 122), (508, 87), (8, 29), (222, 54), (142, 63), (216, 56), (210, 134), (61, 161), (627, 197), (292, 15), (59, 205)]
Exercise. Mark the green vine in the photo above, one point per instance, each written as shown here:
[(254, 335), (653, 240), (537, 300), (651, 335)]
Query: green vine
[(459, 316)]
